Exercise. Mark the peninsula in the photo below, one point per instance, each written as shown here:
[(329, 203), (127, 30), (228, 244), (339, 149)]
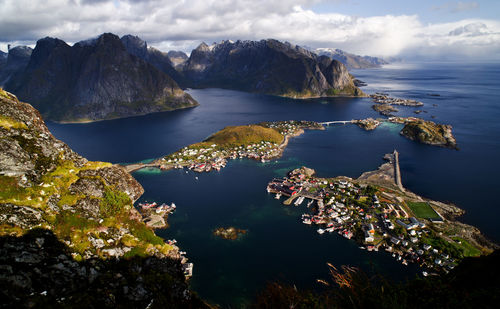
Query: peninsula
[(268, 140), (262, 142), (377, 212)]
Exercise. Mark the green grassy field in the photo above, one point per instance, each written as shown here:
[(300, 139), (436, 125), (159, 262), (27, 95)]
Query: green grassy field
[(422, 210), (244, 135)]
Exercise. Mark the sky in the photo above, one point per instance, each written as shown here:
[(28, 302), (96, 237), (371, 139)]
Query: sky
[(424, 29)]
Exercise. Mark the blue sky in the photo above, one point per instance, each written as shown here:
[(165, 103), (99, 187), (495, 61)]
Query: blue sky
[(444, 29), (429, 11)]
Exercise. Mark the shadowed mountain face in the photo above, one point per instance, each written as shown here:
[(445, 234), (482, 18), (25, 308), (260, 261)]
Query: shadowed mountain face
[(93, 80), (160, 60), (351, 61), (16, 60), (3, 58), (178, 58), (267, 66)]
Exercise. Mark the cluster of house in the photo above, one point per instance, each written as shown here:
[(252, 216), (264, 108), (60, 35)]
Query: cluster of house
[(384, 98), (215, 157), (291, 127), (356, 210)]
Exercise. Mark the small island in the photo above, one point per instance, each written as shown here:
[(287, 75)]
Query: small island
[(378, 213), (230, 233), (384, 109), (416, 129), (429, 132), (261, 142), (385, 103), (368, 124), (384, 98)]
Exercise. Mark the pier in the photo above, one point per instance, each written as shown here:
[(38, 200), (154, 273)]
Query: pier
[(397, 172)]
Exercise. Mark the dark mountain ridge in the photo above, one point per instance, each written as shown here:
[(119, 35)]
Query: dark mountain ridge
[(270, 67), (94, 80), (160, 60), (16, 60)]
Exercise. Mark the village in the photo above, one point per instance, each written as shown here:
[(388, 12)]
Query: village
[(375, 217), (384, 98), (203, 157)]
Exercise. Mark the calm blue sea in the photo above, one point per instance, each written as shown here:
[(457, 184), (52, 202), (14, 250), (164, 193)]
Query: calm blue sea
[(278, 246)]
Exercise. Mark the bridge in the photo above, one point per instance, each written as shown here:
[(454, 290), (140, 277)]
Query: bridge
[(327, 123)]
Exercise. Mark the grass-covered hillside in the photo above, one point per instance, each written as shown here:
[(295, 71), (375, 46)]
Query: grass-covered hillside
[(244, 135), (87, 206)]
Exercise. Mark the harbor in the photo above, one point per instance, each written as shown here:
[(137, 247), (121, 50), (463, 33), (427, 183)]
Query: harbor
[(206, 157), (379, 214)]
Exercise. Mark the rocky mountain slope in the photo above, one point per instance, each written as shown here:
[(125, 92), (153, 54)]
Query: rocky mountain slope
[(178, 58), (160, 60), (3, 58), (270, 67), (93, 80), (16, 60), (351, 61), (65, 221)]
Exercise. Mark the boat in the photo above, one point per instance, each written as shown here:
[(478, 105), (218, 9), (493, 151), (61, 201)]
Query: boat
[(196, 178), (278, 196), (299, 200), (310, 203), (321, 231)]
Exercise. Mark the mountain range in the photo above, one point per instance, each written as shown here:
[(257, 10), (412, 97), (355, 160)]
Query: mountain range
[(110, 77), (351, 61), (268, 66), (93, 80), (16, 60)]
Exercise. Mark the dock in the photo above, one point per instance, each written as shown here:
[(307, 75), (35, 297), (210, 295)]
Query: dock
[(397, 172)]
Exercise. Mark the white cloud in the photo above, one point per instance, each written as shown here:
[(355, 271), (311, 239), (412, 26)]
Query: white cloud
[(183, 24)]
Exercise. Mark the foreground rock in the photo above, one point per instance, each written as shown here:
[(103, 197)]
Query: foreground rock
[(85, 221), (39, 271)]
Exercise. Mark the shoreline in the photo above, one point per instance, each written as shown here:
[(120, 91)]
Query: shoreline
[(124, 117), (367, 124), (378, 213), (164, 166)]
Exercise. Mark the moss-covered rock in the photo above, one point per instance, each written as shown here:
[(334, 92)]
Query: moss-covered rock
[(87, 206), (428, 132)]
